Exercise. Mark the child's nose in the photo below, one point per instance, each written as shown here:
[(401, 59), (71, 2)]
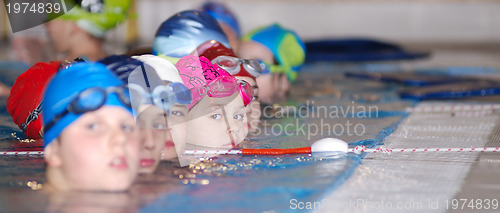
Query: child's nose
[(233, 125), (147, 139), (233, 128), (120, 137)]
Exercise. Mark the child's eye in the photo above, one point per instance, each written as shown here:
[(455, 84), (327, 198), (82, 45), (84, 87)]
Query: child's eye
[(177, 113), (216, 116), (128, 127), (238, 117), (93, 126), (159, 125)]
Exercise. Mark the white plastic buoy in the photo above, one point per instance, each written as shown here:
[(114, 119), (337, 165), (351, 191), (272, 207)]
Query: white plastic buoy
[(329, 145)]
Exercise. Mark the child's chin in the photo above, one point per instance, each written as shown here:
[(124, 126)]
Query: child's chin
[(147, 170), (214, 145), (237, 142), (117, 187), (226, 145), (169, 154), (106, 188), (118, 184)]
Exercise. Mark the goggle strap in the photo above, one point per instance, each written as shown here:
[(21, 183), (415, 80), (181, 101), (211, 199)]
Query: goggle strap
[(55, 119), (33, 116), (146, 80)]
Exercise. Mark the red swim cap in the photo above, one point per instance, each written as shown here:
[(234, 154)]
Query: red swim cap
[(212, 49), (24, 101)]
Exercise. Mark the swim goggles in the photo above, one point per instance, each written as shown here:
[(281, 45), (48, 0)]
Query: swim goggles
[(91, 99), (291, 72), (232, 65), (162, 96), (271, 68), (225, 86)]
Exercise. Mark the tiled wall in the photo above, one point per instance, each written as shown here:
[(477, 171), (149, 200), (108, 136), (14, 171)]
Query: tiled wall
[(398, 20)]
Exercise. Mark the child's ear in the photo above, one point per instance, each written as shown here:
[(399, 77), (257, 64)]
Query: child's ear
[(51, 154)]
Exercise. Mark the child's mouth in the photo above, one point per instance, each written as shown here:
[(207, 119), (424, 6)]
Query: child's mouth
[(119, 163), (147, 162)]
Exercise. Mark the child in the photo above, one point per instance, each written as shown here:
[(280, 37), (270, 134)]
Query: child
[(183, 32), (247, 70), (151, 116), (81, 31), (24, 101), (283, 53), (216, 117), (177, 113), (227, 21), (90, 139), (156, 118)]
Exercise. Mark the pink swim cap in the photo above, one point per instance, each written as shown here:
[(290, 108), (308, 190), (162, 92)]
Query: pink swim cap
[(204, 78)]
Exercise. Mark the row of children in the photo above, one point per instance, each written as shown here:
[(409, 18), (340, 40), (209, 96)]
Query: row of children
[(122, 115)]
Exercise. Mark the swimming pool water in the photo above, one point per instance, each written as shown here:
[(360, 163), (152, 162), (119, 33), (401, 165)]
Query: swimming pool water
[(230, 183)]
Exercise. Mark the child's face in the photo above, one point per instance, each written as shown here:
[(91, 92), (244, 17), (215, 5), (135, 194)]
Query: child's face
[(208, 127), (255, 50), (99, 151), (273, 87), (253, 109), (59, 32), (155, 134), (177, 121)]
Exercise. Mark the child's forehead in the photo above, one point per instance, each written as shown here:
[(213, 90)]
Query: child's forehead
[(235, 105), (148, 111), (107, 115), (148, 108), (230, 108), (109, 112), (178, 106), (256, 50), (217, 103), (209, 105)]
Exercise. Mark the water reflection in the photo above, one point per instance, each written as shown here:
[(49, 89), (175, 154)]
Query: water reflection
[(92, 202)]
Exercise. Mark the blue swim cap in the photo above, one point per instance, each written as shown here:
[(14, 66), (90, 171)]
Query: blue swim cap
[(221, 13), (182, 33), (65, 86), (121, 65), (140, 74), (287, 47)]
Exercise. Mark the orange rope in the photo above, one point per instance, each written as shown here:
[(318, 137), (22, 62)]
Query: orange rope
[(303, 150)]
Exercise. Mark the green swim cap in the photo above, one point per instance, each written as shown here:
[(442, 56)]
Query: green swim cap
[(97, 16), (286, 46)]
